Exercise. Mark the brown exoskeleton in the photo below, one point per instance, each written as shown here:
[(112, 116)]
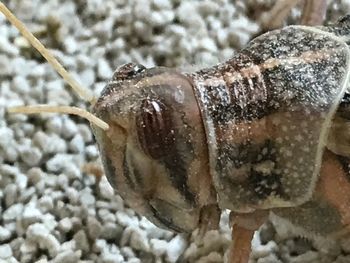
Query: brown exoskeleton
[(264, 132)]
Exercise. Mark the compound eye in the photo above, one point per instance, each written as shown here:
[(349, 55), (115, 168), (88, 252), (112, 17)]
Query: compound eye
[(154, 128), (128, 71)]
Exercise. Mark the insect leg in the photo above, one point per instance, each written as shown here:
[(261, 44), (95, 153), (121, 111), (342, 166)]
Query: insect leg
[(334, 187), (274, 18), (209, 218), (243, 228), (314, 12), (241, 244), (338, 140)]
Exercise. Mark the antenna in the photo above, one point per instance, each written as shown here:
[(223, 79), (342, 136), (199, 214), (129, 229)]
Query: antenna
[(60, 109), (83, 93)]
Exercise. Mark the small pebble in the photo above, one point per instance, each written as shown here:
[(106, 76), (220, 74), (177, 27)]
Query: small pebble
[(100, 245), (73, 195), (158, 246), (125, 220), (85, 132), (176, 247), (21, 181), (106, 215), (40, 234), (127, 252), (69, 128), (94, 228), (55, 124), (6, 68), (46, 203), (81, 241), (91, 152), (20, 84), (11, 194), (111, 231), (65, 225), (138, 240), (5, 251), (31, 214), (104, 71), (62, 181), (28, 247), (7, 47), (34, 175), (88, 76), (5, 234), (70, 45), (86, 198), (28, 194), (49, 221), (12, 212), (31, 156), (77, 144), (58, 162), (68, 256)]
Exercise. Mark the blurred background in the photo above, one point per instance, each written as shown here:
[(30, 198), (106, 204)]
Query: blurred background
[(52, 207)]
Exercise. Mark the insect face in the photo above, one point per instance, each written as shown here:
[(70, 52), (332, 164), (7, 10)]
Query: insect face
[(151, 137), (155, 151)]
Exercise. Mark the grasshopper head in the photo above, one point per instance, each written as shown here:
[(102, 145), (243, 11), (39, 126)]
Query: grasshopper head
[(155, 151)]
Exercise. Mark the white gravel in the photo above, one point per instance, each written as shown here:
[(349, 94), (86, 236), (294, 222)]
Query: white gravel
[(50, 210)]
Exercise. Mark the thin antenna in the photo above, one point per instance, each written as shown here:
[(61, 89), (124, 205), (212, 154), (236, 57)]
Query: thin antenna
[(84, 93), (60, 109)]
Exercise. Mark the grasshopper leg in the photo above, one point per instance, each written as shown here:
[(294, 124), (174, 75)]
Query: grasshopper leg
[(274, 18), (243, 228), (313, 13), (334, 186), (241, 244)]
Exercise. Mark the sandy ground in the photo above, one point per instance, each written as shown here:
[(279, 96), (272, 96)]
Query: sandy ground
[(53, 211)]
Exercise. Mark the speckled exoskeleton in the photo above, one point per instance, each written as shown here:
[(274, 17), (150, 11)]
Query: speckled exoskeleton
[(264, 132)]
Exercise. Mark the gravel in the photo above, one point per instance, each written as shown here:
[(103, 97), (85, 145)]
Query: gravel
[(53, 211)]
